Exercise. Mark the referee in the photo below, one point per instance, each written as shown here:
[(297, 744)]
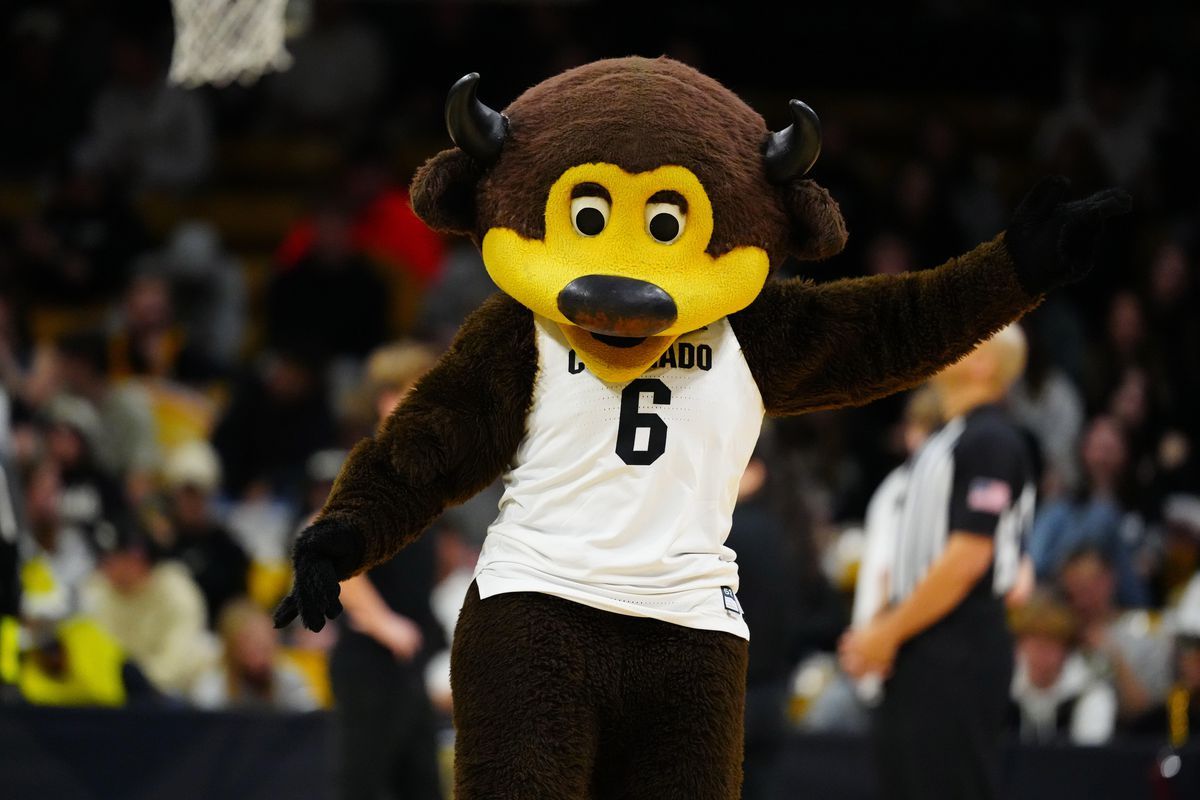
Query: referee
[(943, 639)]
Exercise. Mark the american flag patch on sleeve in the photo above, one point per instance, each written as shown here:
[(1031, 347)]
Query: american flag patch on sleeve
[(988, 496)]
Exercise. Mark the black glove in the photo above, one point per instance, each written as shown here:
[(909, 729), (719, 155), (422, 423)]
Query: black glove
[(324, 554), (1053, 242)]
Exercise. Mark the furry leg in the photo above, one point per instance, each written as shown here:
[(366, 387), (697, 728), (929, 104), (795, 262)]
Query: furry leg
[(526, 719), (683, 738)]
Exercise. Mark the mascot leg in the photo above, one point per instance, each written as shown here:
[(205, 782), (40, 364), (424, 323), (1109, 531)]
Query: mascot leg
[(522, 672), (685, 694), (554, 700)]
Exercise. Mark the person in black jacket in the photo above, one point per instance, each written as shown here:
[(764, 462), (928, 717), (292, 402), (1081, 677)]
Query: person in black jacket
[(793, 608), (218, 564), (387, 741)]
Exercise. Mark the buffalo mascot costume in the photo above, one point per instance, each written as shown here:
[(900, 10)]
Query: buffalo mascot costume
[(632, 212)]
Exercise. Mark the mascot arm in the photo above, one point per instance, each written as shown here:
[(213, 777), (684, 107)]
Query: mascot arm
[(849, 342), (454, 434)]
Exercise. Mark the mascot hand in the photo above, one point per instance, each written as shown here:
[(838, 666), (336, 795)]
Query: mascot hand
[(325, 553), (1053, 242)]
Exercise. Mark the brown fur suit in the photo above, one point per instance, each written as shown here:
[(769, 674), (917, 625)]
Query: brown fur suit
[(555, 699)]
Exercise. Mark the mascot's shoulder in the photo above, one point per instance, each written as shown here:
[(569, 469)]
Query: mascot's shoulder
[(498, 317)]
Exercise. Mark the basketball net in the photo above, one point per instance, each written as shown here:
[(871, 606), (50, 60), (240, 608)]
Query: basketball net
[(221, 41)]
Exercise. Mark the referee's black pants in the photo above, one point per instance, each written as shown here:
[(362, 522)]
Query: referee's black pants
[(938, 731)]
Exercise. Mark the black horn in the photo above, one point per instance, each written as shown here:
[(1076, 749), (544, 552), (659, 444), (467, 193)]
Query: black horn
[(480, 131), (791, 152)]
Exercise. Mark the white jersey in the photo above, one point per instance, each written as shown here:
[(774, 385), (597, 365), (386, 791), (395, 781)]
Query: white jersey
[(620, 496)]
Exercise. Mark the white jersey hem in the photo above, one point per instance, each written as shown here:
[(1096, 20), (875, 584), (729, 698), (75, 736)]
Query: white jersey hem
[(491, 583)]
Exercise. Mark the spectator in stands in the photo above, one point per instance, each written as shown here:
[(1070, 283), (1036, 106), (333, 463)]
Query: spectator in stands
[(37, 79), (1178, 719), (1129, 648), (1094, 517), (253, 674), (332, 298), (208, 288), (76, 252), (1174, 328), (194, 537), (150, 342), (382, 225), (967, 180), (1158, 452), (56, 557), (1113, 106), (88, 497), (75, 662), (336, 78), (278, 417), (1055, 696), (22, 384), (1046, 402), (144, 129), (462, 284), (1127, 347), (1180, 558), (920, 214), (128, 444), (155, 611), (16, 349)]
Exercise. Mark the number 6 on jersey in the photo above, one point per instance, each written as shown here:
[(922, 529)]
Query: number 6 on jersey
[(633, 420)]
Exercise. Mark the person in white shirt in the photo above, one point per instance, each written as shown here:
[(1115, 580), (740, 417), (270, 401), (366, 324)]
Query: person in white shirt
[(252, 674), (155, 611), (1055, 696)]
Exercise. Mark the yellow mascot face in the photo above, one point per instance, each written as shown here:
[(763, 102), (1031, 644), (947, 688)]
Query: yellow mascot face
[(624, 267)]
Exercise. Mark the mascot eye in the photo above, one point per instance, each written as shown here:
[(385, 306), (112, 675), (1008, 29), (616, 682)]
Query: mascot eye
[(589, 214), (665, 221)]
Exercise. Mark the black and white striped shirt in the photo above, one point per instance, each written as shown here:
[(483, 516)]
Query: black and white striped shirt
[(973, 475)]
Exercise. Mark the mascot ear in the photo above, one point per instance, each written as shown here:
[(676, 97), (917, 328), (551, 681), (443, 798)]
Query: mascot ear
[(818, 229), (443, 192)]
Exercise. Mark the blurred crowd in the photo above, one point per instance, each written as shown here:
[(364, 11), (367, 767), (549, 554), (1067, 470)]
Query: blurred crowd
[(174, 407)]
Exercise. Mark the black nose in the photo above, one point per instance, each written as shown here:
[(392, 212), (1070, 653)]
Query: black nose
[(616, 306)]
